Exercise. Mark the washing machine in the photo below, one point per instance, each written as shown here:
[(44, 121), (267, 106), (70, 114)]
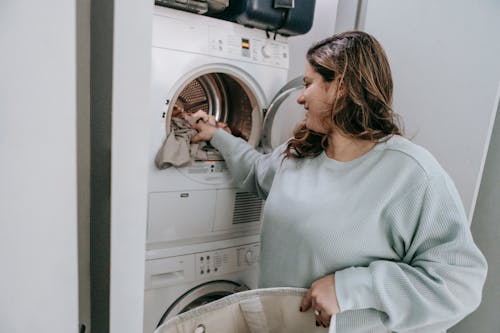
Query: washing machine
[(183, 278), (202, 231)]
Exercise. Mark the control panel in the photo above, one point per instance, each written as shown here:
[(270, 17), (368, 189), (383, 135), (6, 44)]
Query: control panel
[(228, 260), (248, 48), (218, 38), (169, 271)]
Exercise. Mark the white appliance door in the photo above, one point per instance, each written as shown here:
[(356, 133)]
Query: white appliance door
[(283, 115), (201, 295)]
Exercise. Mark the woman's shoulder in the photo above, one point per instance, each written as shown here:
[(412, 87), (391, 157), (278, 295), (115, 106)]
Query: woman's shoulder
[(418, 167), (402, 150)]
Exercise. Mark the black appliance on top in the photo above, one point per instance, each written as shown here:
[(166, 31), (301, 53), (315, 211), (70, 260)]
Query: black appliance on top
[(285, 17), (195, 6)]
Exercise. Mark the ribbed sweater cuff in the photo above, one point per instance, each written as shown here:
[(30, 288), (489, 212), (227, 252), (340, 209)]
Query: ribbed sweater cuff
[(354, 289), (222, 140)]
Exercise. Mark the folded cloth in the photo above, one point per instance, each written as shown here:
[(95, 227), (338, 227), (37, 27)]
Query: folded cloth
[(270, 310), (177, 149)]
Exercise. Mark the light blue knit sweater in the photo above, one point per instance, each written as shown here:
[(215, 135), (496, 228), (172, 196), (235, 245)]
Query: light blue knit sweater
[(389, 224)]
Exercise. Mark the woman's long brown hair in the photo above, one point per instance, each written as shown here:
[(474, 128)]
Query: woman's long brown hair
[(363, 110)]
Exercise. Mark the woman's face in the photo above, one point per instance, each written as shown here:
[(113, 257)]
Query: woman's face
[(314, 97)]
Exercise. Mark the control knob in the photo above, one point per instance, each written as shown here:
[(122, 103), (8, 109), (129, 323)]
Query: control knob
[(266, 51), (249, 257)]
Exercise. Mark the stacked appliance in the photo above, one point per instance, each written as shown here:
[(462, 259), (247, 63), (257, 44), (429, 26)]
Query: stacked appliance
[(202, 231)]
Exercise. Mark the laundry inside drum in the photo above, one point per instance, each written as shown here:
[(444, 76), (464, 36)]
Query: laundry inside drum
[(230, 101)]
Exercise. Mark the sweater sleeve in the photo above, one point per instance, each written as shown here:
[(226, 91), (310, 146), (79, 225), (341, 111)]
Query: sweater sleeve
[(440, 276), (250, 169)]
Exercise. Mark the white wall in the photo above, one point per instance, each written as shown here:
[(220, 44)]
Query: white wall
[(445, 60), (38, 210), (325, 13), (83, 157), (129, 162), (486, 230)]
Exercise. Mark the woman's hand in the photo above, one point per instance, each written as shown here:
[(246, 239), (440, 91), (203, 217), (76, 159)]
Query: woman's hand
[(205, 131), (205, 125), (323, 299), (199, 116)]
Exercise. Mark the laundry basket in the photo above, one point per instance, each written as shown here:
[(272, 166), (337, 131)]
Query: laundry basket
[(270, 310)]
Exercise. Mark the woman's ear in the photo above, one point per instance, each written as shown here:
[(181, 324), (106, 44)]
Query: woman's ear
[(340, 87), (335, 90)]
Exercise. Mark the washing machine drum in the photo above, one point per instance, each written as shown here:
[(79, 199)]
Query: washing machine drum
[(225, 97), (229, 99)]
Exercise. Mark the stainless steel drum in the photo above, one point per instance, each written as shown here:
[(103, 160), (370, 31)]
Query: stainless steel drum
[(225, 97)]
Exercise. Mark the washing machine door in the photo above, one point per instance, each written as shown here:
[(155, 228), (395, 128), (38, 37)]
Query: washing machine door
[(200, 295), (283, 115), (225, 92)]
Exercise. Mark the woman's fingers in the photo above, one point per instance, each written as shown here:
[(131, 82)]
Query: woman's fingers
[(205, 132), (322, 299), (196, 117), (200, 114), (322, 318), (309, 302), (306, 302), (224, 126), (205, 124), (211, 120)]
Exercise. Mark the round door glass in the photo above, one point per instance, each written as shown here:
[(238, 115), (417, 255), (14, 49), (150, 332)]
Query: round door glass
[(287, 117), (236, 106), (201, 295), (221, 95), (283, 116)]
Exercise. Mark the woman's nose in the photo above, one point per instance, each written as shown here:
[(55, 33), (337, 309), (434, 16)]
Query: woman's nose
[(300, 98)]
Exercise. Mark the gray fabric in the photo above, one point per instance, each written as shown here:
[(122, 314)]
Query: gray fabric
[(270, 310), (177, 150)]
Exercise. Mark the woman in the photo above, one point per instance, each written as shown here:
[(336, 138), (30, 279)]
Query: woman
[(367, 220)]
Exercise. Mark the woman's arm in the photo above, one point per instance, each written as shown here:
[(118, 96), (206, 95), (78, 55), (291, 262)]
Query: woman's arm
[(440, 276), (249, 168)]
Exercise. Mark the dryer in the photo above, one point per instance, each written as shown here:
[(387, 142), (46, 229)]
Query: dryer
[(231, 72), (203, 232)]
